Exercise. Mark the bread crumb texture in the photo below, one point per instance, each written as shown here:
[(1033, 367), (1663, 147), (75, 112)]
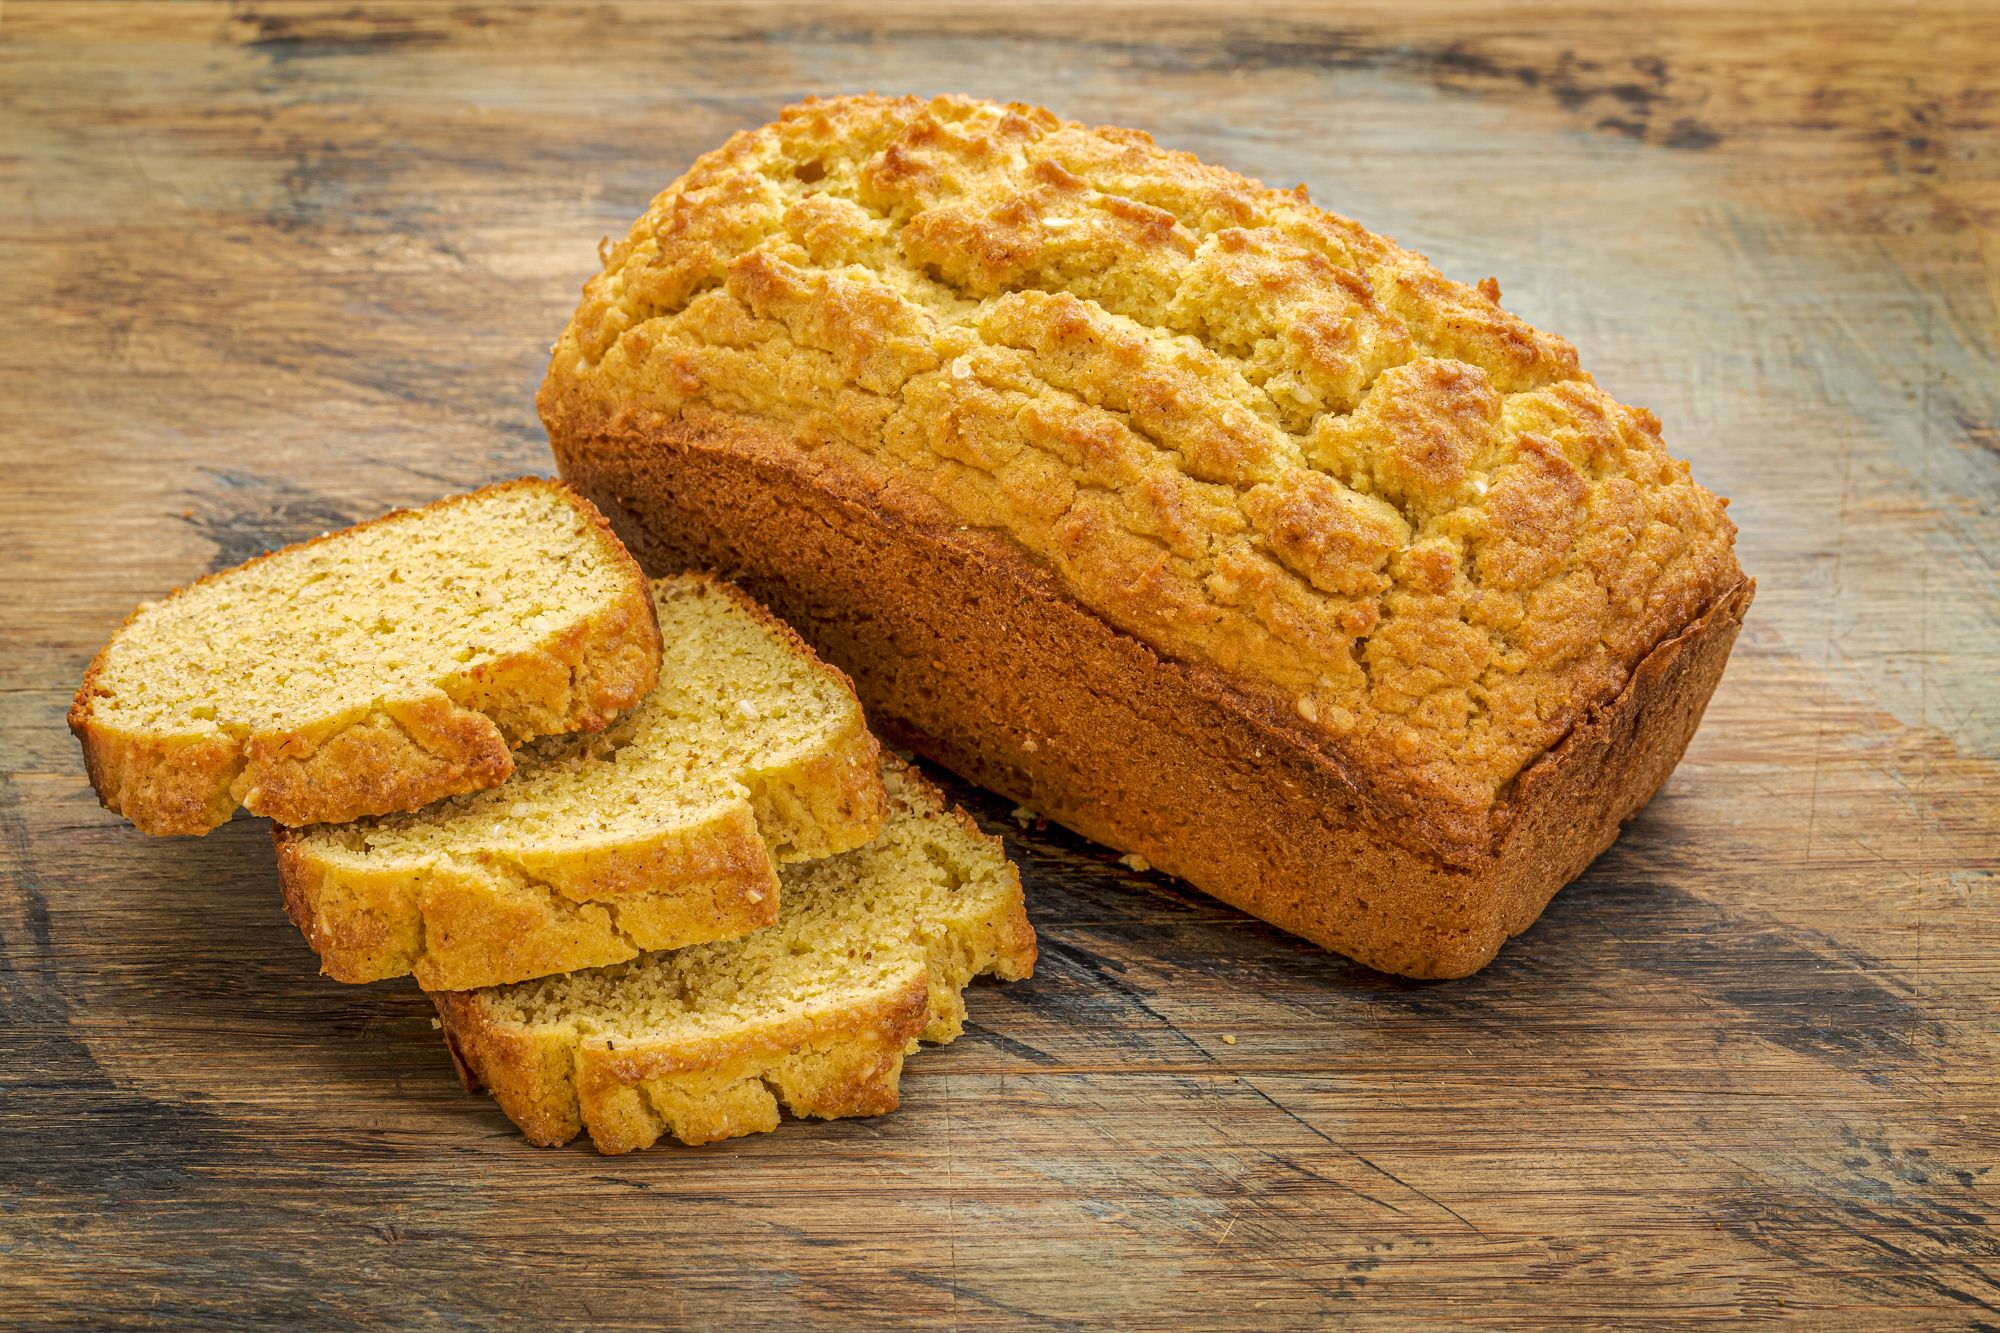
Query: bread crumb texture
[(872, 952), (663, 830), (374, 669), (1248, 431)]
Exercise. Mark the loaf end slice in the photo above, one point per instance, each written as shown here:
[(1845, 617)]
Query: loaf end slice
[(662, 831), (814, 1014), (373, 669)]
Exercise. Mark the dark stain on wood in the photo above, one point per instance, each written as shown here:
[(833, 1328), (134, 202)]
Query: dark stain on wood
[(1639, 85), (1832, 1003), (1887, 1204), (352, 31), (243, 515)]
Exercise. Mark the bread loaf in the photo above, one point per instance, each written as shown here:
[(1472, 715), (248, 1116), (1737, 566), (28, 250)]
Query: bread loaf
[(663, 830), (1206, 521), (870, 954), (373, 669)]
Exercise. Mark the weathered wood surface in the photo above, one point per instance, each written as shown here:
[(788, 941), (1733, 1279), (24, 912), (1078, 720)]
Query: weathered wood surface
[(265, 269)]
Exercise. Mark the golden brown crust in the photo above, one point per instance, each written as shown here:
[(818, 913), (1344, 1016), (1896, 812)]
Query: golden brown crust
[(469, 920), (1247, 432), (398, 754), (971, 653)]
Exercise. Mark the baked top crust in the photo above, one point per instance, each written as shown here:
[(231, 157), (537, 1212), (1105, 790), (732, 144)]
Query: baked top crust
[(1245, 430)]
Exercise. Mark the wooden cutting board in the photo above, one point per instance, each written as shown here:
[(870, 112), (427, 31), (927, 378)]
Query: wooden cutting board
[(266, 269)]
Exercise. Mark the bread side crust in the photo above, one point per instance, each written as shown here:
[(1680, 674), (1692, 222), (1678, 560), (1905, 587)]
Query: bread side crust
[(964, 650), (468, 922), (842, 1061), (398, 754), (830, 800)]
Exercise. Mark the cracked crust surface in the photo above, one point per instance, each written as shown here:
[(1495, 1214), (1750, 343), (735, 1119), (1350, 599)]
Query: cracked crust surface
[(663, 831), (373, 669), (815, 1014), (1248, 432)]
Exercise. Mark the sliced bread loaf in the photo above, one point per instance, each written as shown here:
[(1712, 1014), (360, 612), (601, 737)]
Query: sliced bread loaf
[(662, 831), (870, 954), (377, 668)]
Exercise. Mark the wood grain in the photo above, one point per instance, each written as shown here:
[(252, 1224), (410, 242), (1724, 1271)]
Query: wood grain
[(268, 268)]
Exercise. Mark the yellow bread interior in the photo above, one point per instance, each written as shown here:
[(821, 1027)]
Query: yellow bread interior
[(385, 610), (737, 698)]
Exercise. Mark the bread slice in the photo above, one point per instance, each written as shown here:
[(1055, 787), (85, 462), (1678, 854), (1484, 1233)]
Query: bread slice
[(376, 668), (870, 954), (662, 831)]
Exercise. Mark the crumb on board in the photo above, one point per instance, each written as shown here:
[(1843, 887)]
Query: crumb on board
[(1024, 816), (1229, 1039), (1134, 861)]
